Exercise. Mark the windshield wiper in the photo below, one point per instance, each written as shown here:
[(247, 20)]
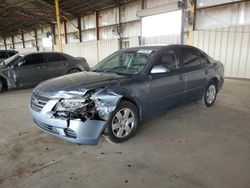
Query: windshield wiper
[(122, 73), (112, 72)]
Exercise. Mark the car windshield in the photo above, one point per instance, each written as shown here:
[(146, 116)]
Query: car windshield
[(12, 60), (124, 62)]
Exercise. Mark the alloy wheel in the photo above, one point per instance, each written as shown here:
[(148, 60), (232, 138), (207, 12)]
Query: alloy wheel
[(211, 94), (123, 122)]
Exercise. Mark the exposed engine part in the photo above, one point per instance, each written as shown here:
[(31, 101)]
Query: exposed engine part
[(98, 105)]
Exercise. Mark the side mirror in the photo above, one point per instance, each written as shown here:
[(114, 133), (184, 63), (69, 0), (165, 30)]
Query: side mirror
[(20, 63), (159, 69)]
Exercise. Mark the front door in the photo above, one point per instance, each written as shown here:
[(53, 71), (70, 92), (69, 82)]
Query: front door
[(166, 89)]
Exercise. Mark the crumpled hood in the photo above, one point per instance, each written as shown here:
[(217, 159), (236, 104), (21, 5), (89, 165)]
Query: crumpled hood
[(77, 82)]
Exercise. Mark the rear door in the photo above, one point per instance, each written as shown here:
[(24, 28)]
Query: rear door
[(166, 89), (193, 65), (31, 70), (56, 65)]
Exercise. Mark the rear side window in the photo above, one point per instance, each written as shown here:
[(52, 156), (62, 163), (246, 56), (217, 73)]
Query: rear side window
[(34, 59), (55, 57), (190, 58), (204, 60), (193, 58)]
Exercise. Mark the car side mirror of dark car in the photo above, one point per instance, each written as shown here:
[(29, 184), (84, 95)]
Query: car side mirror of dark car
[(159, 69), (20, 63)]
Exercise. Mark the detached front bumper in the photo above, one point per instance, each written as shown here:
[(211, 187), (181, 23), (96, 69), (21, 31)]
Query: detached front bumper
[(77, 131)]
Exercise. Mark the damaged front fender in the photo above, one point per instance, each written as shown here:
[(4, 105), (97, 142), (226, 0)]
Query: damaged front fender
[(106, 102)]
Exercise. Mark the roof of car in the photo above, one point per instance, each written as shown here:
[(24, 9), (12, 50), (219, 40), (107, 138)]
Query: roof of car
[(49, 52), (146, 47), (156, 47)]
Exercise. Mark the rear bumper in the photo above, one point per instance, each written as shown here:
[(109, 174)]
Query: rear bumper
[(77, 131)]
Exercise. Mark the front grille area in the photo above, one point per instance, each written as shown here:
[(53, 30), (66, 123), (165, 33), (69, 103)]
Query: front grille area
[(38, 102), (70, 133), (48, 128)]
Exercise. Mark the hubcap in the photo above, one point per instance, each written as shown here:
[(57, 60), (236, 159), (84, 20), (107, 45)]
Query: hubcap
[(211, 93), (123, 122)]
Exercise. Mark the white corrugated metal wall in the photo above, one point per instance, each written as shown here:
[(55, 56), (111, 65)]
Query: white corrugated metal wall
[(93, 51), (229, 45), (224, 33)]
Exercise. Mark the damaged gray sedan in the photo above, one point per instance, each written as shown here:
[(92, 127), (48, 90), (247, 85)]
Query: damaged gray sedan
[(124, 89)]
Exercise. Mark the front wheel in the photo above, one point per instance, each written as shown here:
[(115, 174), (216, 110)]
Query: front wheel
[(123, 122), (210, 94)]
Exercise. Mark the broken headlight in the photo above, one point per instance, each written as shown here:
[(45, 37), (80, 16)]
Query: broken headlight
[(103, 109), (70, 104)]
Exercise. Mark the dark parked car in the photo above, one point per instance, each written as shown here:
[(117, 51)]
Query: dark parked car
[(5, 54), (30, 69), (124, 89)]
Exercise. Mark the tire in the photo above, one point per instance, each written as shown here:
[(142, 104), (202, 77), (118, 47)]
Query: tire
[(210, 94), (74, 70), (1, 85), (123, 122)]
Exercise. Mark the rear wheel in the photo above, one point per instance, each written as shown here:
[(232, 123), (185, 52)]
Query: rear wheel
[(74, 71), (210, 94), (123, 122)]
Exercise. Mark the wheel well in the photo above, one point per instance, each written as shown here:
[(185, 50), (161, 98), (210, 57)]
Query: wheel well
[(216, 81), (74, 69), (5, 85), (134, 103)]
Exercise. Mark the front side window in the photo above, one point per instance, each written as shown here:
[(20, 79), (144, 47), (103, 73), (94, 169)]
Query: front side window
[(34, 59), (131, 62), (169, 60)]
